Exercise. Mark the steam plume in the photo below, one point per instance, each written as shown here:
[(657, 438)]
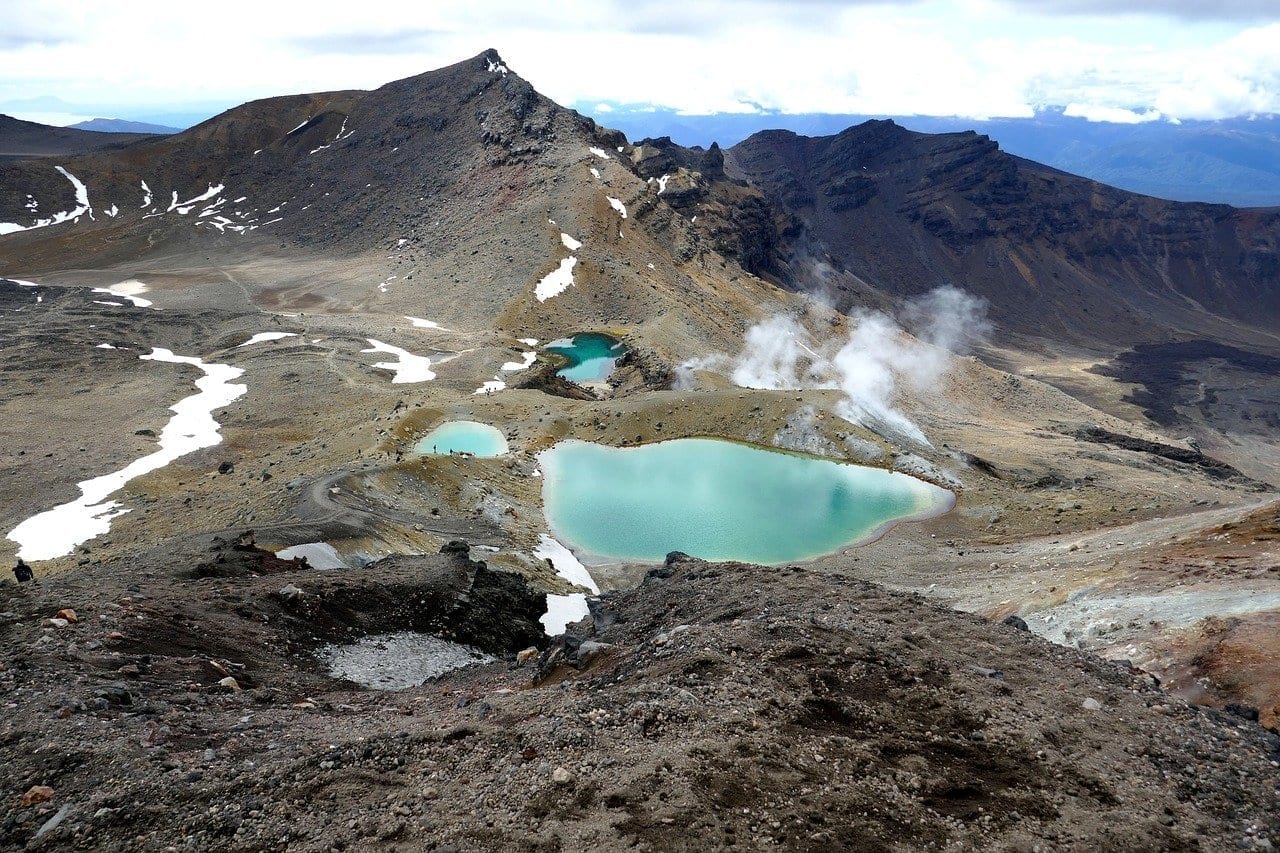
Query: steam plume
[(868, 367)]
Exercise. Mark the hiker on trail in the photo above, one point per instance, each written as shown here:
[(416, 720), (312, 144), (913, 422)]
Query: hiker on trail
[(23, 572)]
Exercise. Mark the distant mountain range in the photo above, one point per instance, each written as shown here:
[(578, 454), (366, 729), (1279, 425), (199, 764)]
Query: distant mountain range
[(24, 139), (119, 125), (1235, 161)]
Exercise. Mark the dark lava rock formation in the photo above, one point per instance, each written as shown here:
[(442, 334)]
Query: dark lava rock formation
[(1053, 254)]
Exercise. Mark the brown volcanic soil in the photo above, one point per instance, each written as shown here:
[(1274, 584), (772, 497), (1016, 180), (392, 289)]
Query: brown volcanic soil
[(726, 706)]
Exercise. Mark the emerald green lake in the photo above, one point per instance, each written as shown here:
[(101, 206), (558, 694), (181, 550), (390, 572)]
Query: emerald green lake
[(463, 437), (591, 355), (720, 500)]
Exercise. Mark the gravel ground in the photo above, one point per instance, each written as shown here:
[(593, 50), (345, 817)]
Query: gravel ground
[(714, 706)]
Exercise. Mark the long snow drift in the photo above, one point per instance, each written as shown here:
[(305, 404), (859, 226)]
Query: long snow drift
[(56, 532)]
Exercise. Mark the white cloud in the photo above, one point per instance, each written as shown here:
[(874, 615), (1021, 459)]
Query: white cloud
[(980, 58), (1115, 115)]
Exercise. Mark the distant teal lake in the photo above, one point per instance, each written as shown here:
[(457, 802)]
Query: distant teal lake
[(721, 500), (592, 356), (463, 437)]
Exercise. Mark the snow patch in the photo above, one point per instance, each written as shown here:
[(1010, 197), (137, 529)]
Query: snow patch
[(600, 152), (564, 562), (564, 610), (127, 290), (528, 359), (557, 281), (263, 337), (82, 207), (56, 532), (186, 207), (569, 243), (410, 368), (617, 205), (489, 387)]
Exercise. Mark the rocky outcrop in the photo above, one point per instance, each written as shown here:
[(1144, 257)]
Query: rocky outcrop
[(1054, 255), (732, 218)]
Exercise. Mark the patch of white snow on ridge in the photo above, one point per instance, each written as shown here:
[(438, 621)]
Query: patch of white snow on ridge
[(497, 68), (569, 243), (532, 342), (563, 610), (410, 367), (105, 346), (600, 152), (81, 208), (617, 205), (419, 323), (565, 563), (662, 184), (295, 130), (146, 195), (557, 281), (490, 387), (263, 337), (595, 173), (185, 207), (529, 359), (127, 290), (56, 532), (112, 211)]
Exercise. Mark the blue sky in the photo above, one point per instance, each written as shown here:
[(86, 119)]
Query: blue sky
[(1119, 60)]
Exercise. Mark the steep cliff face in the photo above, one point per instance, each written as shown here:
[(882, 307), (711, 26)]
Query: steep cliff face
[(1055, 255), (730, 216)]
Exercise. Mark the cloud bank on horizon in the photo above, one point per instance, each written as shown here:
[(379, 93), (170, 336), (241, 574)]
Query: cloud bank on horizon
[(1104, 60)]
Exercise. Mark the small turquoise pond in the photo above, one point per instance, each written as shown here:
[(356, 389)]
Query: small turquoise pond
[(463, 437), (720, 500), (591, 355)]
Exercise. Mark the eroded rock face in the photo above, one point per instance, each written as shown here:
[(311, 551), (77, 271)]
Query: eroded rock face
[(733, 218)]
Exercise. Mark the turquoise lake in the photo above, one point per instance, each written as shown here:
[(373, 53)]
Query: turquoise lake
[(591, 355), (720, 500), (463, 437)]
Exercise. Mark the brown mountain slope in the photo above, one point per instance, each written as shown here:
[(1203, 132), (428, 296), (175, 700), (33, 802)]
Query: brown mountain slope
[(1056, 256), (333, 169)]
